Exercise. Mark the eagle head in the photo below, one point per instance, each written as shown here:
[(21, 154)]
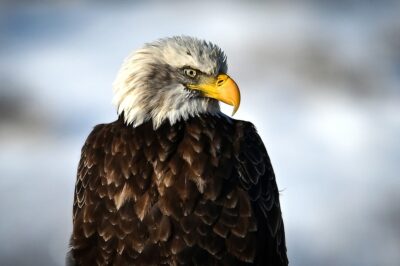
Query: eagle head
[(172, 79)]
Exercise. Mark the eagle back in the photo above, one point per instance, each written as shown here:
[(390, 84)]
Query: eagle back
[(178, 195)]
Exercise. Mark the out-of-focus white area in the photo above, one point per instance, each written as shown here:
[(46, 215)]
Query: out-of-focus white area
[(320, 79)]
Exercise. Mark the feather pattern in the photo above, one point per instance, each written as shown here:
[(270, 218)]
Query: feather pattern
[(198, 192)]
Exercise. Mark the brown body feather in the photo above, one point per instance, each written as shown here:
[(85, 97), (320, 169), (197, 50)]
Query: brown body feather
[(200, 192)]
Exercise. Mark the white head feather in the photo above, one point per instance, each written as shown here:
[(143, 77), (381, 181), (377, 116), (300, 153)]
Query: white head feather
[(146, 90)]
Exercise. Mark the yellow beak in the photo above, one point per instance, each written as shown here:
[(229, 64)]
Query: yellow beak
[(223, 89)]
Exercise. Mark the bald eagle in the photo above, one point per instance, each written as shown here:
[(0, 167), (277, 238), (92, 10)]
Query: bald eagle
[(173, 181)]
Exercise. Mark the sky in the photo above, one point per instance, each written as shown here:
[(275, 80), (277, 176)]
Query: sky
[(320, 80)]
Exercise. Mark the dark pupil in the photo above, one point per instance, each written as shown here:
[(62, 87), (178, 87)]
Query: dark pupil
[(190, 72)]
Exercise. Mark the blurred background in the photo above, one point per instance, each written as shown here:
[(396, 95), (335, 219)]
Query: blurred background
[(320, 79)]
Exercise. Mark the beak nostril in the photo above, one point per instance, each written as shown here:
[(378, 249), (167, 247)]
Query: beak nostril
[(219, 82)]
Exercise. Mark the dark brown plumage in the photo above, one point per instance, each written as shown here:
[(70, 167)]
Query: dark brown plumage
[(199, 192)]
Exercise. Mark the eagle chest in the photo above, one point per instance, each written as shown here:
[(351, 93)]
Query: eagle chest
[(167, 195)]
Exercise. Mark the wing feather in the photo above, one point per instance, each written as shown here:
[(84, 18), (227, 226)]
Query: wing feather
[(257, 178)]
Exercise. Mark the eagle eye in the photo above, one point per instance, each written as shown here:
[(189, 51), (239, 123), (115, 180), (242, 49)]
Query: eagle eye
[(190, 72)]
